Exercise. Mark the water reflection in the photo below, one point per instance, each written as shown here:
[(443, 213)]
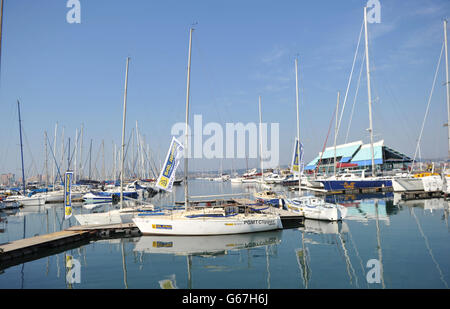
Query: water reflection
[(410, 239), (206, 247)]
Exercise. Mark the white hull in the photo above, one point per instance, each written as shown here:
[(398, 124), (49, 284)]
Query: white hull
[(324, 227), (313, 208), (432, 183), (115, 216), (28, 201), (179, 224), (407, 184)]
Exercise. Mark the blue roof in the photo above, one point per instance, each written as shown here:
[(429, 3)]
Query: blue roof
[(364, 156), (345, 151)]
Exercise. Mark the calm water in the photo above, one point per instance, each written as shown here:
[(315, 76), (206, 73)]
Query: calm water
[(410, 241)]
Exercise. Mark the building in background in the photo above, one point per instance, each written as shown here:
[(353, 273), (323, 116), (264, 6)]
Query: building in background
[(358, 156)]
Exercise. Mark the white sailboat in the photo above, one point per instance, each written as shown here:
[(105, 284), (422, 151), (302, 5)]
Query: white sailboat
[(429, 182), (24, 200), (206, 221), (309, 206), (121, 215)]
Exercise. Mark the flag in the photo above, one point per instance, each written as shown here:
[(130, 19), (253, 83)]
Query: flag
[(297, 160), (68, 195), (167, 175)]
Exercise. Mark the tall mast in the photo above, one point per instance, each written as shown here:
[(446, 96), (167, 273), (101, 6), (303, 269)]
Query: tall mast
[(186, 152), (62, 150), (46, 160), (68, 157), (103, 161), (21, 148), (123, 133), (298, 127), (260, 143), (369, 90), (447, 85), (1, 29), (336, 132), (114, 163), (75, 156), (90, 159), (81, 152), (54, 154)]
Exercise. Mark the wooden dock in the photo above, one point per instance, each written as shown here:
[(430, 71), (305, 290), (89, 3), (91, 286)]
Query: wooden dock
[(413, 195), (348, 191), (23, 250), (28, 249)]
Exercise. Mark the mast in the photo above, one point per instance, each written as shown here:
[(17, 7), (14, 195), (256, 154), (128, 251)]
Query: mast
[(186, 152), (62, 150), (90, 159), (21, 148), (75, 156), (260, 142), (103, 161), (298, 128), (46, 161), (81, 152), (447, 85), (123, 133), (369, 90), (54, 156), (336, 132), (1, 28), (68, 157)]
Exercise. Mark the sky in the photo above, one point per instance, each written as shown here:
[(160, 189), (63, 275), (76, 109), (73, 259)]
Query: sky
[(73, 74)]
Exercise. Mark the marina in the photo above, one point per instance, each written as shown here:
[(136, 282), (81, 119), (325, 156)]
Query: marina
[(184, 161), (306, 255)]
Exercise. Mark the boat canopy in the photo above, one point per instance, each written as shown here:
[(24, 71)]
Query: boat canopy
[(344, 154), (358, 154)]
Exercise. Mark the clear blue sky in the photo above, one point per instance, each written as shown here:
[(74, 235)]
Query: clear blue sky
[(73, 74)]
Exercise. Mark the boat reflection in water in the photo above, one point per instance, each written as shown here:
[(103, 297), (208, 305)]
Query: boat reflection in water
[(333, 233), (205, 245), (324, 227)]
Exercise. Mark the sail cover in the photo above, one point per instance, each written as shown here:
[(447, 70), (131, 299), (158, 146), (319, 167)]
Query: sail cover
[(167, 175)]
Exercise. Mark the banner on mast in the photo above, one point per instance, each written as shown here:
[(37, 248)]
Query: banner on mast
[(68, 195), (297, 159), (167, 175)]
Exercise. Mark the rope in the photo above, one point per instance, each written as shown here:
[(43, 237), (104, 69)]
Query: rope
[(349, 79), (356, 96), (428, 106), (324, 144)]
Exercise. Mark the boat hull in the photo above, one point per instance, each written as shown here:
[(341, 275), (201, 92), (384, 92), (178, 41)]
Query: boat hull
[(326, 212), (167, 225), (407, 184), (337, 185)]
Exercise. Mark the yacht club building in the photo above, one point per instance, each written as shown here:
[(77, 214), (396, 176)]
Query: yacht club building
[(358, 156)]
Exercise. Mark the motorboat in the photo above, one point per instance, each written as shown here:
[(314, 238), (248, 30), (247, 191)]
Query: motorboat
[(267, 197), (312, 207)]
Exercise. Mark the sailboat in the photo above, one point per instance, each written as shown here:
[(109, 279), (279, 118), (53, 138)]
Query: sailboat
[(428, 181), (266, 196), (310, 207), (121, 215), (24, 200), (207, 220), (335, 184)]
